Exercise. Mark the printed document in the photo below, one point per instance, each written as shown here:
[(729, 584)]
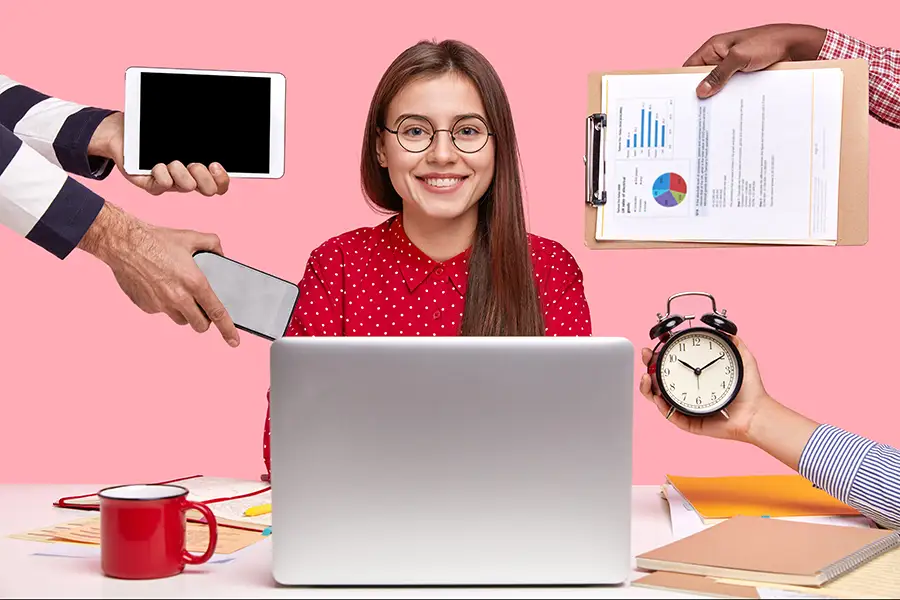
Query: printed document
[(757, 162)]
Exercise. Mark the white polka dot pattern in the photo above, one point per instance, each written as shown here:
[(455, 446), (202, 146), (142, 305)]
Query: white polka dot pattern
[(374, 281)]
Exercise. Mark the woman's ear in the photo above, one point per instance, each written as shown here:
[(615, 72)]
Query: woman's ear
[(379, 151)]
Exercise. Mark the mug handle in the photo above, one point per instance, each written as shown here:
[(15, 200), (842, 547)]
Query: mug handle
[(193, 559)]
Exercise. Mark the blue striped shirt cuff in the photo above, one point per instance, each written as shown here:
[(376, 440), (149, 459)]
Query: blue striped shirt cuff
[(857, 471), (71, 144), (67, 219)]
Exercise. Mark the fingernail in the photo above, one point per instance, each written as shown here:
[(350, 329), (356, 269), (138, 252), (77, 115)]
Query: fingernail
[(216, 168), (233, 342), (705, 88)]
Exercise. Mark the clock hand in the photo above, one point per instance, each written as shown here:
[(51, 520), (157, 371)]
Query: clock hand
[(721, 356), (692, 368)]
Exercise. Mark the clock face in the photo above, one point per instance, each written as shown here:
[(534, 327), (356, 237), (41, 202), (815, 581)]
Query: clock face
[(699, 371)]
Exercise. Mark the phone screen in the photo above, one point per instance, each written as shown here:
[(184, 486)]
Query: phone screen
[(256, 301)]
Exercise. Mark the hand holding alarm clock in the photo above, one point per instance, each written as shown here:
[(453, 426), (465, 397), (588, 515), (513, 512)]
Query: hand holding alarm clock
[(698, 370)]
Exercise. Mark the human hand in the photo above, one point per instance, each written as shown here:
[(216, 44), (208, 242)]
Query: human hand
[(109, 141), (741, 412), (754, 49), (155, 268)]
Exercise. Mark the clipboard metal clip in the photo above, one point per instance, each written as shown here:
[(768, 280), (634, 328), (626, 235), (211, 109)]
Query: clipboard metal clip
[(595, 160)]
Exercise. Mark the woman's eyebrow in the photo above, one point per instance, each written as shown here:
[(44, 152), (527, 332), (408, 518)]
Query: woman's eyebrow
[(454, 119)]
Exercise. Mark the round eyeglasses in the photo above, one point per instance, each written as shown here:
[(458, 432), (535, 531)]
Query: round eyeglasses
[(416, 133)]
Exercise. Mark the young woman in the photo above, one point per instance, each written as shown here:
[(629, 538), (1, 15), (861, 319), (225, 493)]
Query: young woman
[(454, 258)]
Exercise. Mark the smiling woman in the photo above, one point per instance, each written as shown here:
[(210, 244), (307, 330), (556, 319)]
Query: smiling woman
[(440, 156)]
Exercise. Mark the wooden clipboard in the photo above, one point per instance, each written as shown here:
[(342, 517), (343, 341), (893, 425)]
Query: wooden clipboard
[(853, 188)]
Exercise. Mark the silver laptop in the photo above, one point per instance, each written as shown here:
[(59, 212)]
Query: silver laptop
[(451, 461)]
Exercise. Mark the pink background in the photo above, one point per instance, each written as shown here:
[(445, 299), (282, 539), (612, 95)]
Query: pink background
[(95, 390)]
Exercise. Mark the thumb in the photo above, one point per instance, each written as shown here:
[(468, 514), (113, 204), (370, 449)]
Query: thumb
[(733, 62), (204, 241)]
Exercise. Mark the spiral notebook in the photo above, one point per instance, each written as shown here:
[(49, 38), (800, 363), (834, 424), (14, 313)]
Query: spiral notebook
[(771, 551)]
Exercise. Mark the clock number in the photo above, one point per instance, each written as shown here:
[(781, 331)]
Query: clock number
[(696, 342), (681, 346), (699, 400), (713, 396), (684, 396), (672, 358), (667, 370), (710, 345), (723, 385), (672, 386), (729, 370)]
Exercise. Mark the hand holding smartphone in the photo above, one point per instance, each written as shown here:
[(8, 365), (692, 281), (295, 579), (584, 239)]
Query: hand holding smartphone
[(259, 303)]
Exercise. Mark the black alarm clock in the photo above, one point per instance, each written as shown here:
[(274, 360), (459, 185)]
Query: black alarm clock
[(698, 369)]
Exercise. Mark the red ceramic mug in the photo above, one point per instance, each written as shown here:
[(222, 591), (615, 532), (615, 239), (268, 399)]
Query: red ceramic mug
[(143, 531)]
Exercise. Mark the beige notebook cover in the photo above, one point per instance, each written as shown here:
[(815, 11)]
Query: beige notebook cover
[(695, 584), (771, 550)]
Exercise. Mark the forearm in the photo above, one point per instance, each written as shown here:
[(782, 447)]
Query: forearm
[(58, 130), (857, 471), (884, 73), (780, 432), (39, 202)]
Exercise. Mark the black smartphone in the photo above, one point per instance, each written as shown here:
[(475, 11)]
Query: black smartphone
[(258, 303)]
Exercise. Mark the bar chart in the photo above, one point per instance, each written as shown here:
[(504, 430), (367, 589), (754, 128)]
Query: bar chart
[(645, 128)]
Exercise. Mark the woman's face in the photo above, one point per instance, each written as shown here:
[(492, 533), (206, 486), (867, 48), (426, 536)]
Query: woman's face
[(442, 182)]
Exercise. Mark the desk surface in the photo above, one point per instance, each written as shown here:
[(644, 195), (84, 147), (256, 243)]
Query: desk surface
[(25, 575)]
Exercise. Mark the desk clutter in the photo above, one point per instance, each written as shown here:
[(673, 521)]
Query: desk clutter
[(228, 499), (737, 536), (87, 532)]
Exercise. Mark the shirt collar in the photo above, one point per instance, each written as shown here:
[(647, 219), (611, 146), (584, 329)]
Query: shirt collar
[(416, 266)]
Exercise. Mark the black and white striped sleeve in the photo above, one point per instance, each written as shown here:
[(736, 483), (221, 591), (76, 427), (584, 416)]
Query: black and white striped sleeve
[(41, 139)]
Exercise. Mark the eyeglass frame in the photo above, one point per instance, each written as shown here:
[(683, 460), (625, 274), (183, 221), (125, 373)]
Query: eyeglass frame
[(396, 133)]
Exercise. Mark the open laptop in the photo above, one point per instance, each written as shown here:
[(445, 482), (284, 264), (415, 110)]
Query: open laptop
[(451, 460)]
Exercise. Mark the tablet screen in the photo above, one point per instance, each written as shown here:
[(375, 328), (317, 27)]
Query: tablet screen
[(204, 119)]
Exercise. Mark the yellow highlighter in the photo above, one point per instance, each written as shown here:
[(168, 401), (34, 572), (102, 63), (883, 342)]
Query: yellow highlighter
[(255, 511)]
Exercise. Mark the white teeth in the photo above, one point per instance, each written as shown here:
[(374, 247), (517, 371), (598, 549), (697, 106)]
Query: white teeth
[(443, 182)]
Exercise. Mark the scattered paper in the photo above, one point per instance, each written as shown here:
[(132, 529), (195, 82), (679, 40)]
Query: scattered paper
[(93, 551), (87, 532), (686, 521)]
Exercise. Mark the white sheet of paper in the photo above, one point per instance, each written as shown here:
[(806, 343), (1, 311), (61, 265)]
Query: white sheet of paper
[(686, 521), (757, 162)]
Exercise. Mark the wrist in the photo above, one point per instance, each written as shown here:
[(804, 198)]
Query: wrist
[(760, 423), (109, 234), (108, 136), (806, 42)]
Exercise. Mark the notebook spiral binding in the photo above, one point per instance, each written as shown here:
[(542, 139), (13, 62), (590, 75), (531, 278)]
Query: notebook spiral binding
[(861, 556)]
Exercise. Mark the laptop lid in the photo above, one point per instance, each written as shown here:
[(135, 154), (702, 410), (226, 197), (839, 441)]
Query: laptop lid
[(451, 461)]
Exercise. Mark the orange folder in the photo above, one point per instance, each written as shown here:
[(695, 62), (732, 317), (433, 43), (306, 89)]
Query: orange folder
[(757, 495)]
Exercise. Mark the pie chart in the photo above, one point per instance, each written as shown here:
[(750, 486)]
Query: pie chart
[(669, 189)]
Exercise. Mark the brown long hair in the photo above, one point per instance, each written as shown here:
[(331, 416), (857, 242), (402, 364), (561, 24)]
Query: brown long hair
[(502, 297)]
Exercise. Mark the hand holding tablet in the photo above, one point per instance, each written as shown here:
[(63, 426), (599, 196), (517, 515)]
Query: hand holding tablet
[(231, 118)]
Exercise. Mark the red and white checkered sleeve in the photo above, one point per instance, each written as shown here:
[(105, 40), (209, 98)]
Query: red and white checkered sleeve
[(884, 73)]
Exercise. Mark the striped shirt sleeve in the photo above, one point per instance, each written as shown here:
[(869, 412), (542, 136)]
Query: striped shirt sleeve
[(57, 129), (857, 471), (41, 139), (884, 73)]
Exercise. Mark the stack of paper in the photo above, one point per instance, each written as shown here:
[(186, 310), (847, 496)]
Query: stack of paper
[(759, 162)]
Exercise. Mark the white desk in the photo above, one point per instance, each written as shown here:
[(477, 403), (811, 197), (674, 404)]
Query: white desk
[(24, 575)]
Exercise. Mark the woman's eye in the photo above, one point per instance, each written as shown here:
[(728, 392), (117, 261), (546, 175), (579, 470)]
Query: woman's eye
[(414, 131)]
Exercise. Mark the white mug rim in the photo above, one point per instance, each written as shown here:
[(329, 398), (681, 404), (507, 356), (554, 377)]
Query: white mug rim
[(177, 491)]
